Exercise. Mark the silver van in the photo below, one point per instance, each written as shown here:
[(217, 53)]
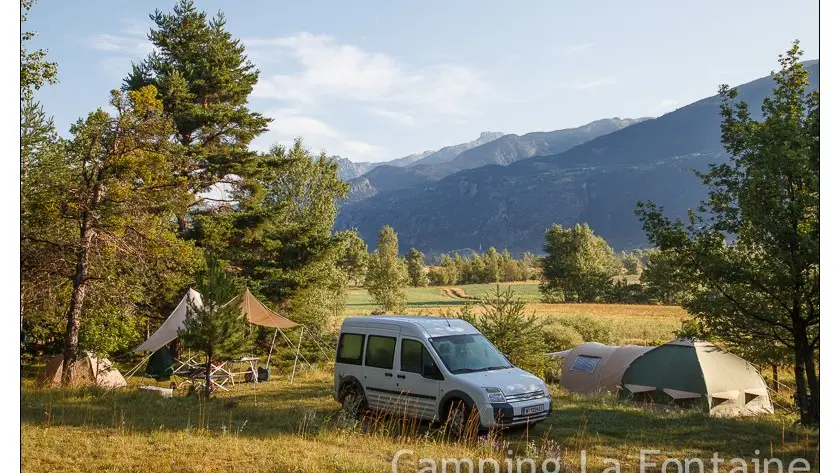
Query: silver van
[(434, 368)]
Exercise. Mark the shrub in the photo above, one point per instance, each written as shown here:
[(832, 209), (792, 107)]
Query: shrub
[(591, 329), (559, 337), (504, 322), (437, 276), (623, 293)]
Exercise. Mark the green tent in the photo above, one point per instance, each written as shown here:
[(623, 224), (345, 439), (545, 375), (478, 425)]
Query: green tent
[(694, 372), (161, 364)]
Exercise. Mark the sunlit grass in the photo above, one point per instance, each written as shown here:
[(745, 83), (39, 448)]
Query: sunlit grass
[(278, 426)]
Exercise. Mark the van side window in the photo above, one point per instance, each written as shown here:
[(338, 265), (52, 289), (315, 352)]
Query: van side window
[(411, 356), (380, 352), (414, 358), (350, 348)]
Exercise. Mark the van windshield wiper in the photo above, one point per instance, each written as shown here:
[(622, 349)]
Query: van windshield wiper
[(478, 370)]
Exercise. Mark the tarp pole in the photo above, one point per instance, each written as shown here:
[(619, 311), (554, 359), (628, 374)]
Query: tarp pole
[(270, 350), (292, 346), (297, 352), (134, 370), (318, 342)]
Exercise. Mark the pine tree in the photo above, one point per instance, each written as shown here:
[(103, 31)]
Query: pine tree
[(280, 238), (203, 78), (216, 327)]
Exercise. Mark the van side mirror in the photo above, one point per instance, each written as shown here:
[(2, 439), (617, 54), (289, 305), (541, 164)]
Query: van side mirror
[(431, 371)]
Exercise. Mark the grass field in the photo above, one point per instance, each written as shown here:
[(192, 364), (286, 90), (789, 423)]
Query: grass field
[(281, 427), (632, 324)]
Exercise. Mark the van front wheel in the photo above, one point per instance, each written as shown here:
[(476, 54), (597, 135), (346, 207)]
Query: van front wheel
[(457, 419), (352, 402)]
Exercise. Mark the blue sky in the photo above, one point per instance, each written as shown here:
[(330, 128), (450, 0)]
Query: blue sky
[(377, 80)]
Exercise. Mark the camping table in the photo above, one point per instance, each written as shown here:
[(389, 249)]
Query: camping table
[(252, 366), (221, 373)]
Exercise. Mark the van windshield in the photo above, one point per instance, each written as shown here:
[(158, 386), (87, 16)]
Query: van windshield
[(468, 353)]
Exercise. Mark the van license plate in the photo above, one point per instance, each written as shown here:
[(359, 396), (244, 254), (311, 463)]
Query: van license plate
[(532, 410)]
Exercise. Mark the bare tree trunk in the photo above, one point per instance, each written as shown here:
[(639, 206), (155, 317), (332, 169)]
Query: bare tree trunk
[(207, 369), (175, 348), (775, 377), (77, 300), (182, 225), (805, 374), (801, 388), (813, 387)]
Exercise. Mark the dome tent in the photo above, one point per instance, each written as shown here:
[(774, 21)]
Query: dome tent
[(87, 370), (695, 372), (596, 368)]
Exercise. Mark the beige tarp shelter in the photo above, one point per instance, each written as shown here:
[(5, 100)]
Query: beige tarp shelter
[(595, 368), (253, 310), (258, 314), (87, 370), (695, 372)]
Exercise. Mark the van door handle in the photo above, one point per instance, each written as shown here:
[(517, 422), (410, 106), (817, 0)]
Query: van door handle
[(401, 376), (389, 375)]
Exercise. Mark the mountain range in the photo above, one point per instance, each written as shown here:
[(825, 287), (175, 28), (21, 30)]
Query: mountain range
[(525, 184), (489, 148)]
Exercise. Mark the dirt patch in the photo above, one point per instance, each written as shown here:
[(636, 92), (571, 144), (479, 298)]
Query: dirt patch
[(456, 293)]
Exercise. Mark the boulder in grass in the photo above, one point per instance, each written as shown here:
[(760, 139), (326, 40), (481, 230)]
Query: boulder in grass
[(156, 391)]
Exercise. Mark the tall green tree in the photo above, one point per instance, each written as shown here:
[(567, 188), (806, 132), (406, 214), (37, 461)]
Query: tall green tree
[(578, 265), (101, 203), (492, 266), (416, 262), (753, 247), (35, 70), (216, 327), (664, 278), (203, 78), (354, 260), (387, 274), (450, 270), (280, 238), (40, 270)]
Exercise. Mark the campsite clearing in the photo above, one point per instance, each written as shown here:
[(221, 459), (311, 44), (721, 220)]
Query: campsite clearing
[(275, 426), (278, 426)]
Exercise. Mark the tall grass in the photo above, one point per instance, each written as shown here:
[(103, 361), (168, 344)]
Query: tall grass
[(278, 426)]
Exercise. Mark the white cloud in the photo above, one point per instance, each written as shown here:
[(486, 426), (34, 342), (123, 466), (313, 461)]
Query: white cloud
[(589, 84), (667, 105), (328, 71), (576, 48), (120, 44), (130, 44), (399, 117), (290, 123)]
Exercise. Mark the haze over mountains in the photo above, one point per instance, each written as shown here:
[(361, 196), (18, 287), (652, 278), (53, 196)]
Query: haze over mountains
[(507, 192)]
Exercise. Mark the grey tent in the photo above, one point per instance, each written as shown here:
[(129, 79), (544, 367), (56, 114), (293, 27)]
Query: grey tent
[(695, 372), (596, 368)]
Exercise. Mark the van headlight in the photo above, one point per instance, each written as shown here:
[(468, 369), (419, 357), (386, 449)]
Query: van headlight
[(495, 394)]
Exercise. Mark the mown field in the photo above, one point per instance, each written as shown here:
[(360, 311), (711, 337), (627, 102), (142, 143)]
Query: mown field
[(631, 323), (281, 427)]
